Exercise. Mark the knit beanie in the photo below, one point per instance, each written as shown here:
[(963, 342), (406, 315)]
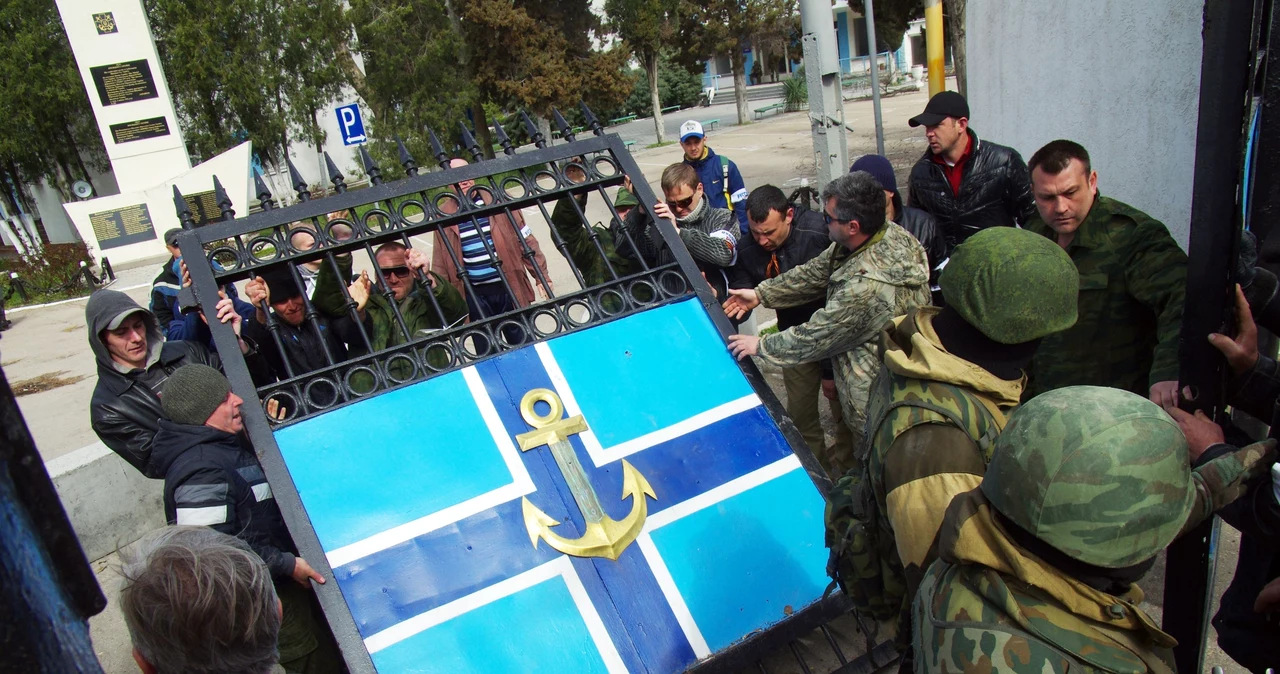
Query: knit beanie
[(192, 393), (879, 168)]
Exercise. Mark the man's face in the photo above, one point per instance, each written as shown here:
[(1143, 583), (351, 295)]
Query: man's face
[(944, 135), (693, 147), (396, 271), (465, 184), (227, 416), (174, 251), (291, 311), (127, 344), (683, 200), (1064, 199), (773, 231), (839, 232)]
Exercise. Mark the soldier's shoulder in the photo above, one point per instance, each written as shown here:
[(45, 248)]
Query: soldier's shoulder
[(1124, 217)]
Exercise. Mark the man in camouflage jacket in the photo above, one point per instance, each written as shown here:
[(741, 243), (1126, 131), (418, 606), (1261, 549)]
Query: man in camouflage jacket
[(872, 272), (951, 376), (1037, 569), (1132, 282)]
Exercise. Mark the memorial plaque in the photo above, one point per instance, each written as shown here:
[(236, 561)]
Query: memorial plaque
[(122, 226), (124, 82), (204, 208), (105, 23), (141, 129)]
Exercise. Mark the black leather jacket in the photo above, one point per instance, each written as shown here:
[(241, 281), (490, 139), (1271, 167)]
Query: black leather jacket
[(926, 230), (995, 191), (126, 414)]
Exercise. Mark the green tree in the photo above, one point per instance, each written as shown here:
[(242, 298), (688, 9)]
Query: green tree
[(726, 27), (259, 69), (47, 128), (678, 86), (646, 27)]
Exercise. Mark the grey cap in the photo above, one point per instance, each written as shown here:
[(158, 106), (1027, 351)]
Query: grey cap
[(119, 318), (192, 393), (171, 236)]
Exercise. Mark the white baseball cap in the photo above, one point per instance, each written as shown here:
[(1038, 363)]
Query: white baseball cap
[(691, 128)]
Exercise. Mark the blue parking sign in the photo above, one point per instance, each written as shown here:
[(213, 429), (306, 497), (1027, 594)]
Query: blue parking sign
[(350, 124)]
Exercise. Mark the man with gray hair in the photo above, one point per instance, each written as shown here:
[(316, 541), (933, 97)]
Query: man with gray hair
[(873, 271), (196, 600)]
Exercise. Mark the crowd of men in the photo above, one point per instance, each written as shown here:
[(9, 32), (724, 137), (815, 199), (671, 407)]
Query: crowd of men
[(999, 353)]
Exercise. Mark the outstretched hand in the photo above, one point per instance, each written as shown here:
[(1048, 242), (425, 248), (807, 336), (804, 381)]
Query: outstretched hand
[(302, 572), (1201, 432), (739, 302)]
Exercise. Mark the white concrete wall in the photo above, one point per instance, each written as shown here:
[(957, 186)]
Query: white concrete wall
[(1120, 77)]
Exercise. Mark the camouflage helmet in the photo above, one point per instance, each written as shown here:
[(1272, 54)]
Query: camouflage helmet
[(1098, 473), (1012, 285)]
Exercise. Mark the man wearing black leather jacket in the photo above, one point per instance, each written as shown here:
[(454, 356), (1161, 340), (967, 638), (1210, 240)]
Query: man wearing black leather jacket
[(966, 183), (1248, 618), (134, 361), (922, 225)]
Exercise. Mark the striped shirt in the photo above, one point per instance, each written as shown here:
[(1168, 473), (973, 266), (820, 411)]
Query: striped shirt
[(475, 256)]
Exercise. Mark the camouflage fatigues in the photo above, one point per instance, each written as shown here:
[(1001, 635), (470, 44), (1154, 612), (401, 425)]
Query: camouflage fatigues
[(1132, 283), (1097, 475), (886, 277), (932, 424), (582, 251)]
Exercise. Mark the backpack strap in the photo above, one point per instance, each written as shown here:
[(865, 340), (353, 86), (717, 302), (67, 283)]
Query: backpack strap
[(724, 167)]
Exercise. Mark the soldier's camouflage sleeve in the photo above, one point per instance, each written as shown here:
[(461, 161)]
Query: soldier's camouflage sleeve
[(582, 252), (1156, 273), (1223, 480), (799, 285), (844, 323)]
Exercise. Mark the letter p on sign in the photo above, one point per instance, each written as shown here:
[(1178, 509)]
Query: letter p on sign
[(350, 124)]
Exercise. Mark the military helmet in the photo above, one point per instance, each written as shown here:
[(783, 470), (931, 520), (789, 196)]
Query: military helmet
[(1011, 284), (1098, 473)]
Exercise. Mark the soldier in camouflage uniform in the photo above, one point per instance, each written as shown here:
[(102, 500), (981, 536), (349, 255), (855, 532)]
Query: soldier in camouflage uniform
[(872, 272), (580, 239), (1132, 280), (1037, 568), (950, 378)]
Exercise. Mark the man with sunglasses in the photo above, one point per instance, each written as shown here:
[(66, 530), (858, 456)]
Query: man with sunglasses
[(710, 234), (874, 270)]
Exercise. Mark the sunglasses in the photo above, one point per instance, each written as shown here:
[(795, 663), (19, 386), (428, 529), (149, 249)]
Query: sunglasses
[(401, 271), (827, 219), (683, 203)]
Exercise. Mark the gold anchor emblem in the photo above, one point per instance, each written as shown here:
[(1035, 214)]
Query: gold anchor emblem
[(604, 537)]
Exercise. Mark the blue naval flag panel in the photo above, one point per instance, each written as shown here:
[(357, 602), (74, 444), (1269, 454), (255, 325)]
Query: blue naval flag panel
[(642, 512)]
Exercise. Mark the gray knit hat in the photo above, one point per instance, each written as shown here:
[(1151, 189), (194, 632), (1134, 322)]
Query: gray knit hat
[(192, 393)]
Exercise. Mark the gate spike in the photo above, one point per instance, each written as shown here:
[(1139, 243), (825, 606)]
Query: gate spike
[(263, 193), (538, 139), (469, 142), (299, 185), (406, 160), (335, 176), (565, 132), (503, 140), (184, 211), (370, 169), (442, 157), (592, 122), (224, 201)]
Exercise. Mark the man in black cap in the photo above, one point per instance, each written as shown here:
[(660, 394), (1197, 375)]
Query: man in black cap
[(966, 183), (164, 299), (307, 343)]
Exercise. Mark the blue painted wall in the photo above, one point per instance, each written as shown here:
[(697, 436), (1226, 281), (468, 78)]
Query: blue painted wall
[(842, 39)]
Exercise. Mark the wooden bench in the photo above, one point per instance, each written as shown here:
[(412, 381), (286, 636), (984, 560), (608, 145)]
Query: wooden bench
[(621, 120), (709, 124), (670, 108), (769, 108)]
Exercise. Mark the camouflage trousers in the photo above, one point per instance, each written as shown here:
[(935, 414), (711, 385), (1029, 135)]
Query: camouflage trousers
[(804, 393)]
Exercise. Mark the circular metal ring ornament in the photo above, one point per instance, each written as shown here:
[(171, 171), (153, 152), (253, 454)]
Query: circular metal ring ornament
[(549, 315), (580, 305), (514, 188), (309, 389), (292, 409), (640, 289), (413, 369), (619, 304), (450, 355), (476, 335), (673, 283), (256, 246), (610, 167), (545, 181), (224, 258), (422, 214), (502, 333)]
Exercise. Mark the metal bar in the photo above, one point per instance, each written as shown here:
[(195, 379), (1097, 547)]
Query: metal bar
[(1224, 81), (487, 242), (875, 73), (826, 632), (312, 316), (756, 646), (390, 295), (564, 249), (625, 232), (795, 652), (351, 303), (273, 327), (260, 434)]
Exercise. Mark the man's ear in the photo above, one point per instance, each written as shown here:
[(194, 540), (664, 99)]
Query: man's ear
[(146, 667)]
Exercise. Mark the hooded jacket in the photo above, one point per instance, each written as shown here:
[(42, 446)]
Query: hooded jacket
[(177, 325), (722, 183), (885, 277), (125, 408), (988, 600), (213, 479), (995, 191)]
